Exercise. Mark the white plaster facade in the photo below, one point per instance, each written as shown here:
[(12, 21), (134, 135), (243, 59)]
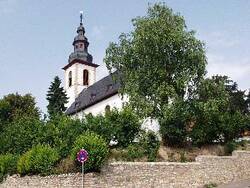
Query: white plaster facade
[(77, 80), (115, 101)]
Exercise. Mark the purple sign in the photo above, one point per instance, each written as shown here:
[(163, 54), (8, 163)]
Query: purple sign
[(82, 156)]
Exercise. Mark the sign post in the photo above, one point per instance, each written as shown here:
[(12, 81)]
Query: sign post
[(82, 156)]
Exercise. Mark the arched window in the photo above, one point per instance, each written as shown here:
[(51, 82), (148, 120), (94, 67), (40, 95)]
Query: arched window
[(107, 109), (70, 78), (85, 77)]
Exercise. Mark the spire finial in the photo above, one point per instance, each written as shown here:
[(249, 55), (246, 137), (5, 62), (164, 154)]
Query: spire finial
[(81, 17)]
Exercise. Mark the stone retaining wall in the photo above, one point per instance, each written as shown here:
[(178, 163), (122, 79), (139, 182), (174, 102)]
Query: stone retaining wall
[(206, 169)]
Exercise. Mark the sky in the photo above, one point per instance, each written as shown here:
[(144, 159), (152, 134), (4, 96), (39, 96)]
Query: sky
[(36, 37)]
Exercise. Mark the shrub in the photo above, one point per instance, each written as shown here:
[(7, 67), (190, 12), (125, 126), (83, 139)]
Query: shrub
[(99, 125), (96, 147), (8, 165), (230, 147), (119, 126), (39, 159), (134, 151), (211, 185), (150, 142), (124, 124), (61, 133), (173, 124), (183, 158), (215, 125), (147, 146), (20, 135), (66, 165)]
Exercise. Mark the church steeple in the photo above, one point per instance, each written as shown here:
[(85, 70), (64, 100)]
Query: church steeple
[(80, 72), (81, 45)]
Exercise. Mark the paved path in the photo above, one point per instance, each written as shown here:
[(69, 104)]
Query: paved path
[(241, 184)]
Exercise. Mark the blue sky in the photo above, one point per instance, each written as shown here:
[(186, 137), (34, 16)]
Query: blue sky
[(36, 37)]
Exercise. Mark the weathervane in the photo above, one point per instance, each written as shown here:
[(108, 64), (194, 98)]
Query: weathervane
[(81, 16)]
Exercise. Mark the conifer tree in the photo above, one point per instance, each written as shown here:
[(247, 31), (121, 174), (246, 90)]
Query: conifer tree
[(56, 97)]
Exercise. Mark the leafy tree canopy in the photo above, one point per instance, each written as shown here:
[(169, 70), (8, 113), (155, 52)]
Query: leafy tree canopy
[(13, 106), (56, 97), (159, 60)]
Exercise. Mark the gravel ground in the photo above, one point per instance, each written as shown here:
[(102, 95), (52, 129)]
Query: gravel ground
[(240, 184)]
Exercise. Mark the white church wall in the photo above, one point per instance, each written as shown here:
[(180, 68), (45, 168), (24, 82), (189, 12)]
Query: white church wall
[(117, 101), (70, 91), (77, 80)]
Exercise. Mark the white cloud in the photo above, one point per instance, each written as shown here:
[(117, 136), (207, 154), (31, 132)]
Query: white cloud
[(238, 71)]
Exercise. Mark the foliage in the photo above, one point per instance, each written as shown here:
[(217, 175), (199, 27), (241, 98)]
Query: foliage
[(211, 185), (174, 122), (230, 147), (14, 106), (147, 146), (20, 135), (56, 97), (39, 159), (119, 126), (158, 61), (150, 143), (61, 133), (99, 125), (125, 126), (97, 149), (65, 166), (206, 117), (134, 151), (183, 158), (8, 163), (214, 118)]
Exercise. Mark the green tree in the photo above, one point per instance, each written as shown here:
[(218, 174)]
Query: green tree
[(20, 135), (56, 97), (13, 106), (159, 60), (217, 115)]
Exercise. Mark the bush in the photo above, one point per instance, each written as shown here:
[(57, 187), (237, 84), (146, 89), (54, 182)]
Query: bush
[(20, 135), (96, 147), (61, 133), (151, 144), (134, 151), (119, 126), (147, 146), (99, 125), (173, 124), (230, 147), (66, 166), (212, 124), (39, 159), (8, 165), (124, 124)]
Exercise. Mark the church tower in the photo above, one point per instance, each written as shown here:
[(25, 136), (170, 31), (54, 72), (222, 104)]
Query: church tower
[(80, 72)]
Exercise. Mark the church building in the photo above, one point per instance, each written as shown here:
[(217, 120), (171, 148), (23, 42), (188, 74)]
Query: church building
[(86, 95)]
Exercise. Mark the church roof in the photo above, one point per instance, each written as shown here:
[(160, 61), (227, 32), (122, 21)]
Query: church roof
[(101, 90)]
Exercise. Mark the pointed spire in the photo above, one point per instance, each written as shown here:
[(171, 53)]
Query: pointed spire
[(81, 17), (81, 44)]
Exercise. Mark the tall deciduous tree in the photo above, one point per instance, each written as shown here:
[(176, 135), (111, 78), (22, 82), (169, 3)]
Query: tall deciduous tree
[(160, 60), (56, 97)]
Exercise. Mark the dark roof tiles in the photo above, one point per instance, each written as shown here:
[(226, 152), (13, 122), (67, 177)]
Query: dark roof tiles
[(102, 89)]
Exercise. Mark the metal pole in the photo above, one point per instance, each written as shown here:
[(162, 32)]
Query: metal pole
[(82, 173)]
